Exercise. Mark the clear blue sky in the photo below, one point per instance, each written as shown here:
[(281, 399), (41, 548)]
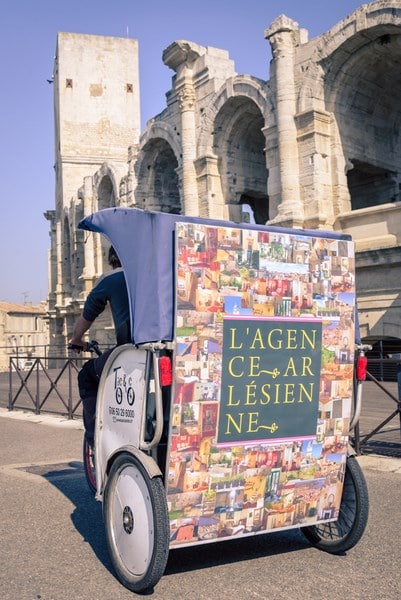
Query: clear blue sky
[(28, 30)]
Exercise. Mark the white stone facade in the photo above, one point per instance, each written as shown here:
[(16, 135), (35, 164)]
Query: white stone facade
[(23, 333), (97, 118), (317, 145)]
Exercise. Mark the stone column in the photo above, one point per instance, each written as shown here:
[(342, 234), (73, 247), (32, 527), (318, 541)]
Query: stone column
[(282, 35), (186, 99), (50, 216), (59, 268), (89, 251), (181, 56)]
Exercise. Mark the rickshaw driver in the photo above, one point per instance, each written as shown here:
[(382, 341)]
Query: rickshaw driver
[(110, 288)]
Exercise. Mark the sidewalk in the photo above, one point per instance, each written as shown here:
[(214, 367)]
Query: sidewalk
[(43, 418)]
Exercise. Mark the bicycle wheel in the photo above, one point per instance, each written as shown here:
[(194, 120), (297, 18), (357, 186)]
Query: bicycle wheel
[(339, 536), (89, 466), (136, 524)]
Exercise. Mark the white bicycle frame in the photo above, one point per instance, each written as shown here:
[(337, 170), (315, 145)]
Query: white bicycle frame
[(129, 395)]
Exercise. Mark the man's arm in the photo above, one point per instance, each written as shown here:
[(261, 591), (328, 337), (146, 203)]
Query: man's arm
[(81, 326)]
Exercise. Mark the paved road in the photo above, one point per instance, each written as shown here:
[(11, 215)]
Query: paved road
[(52, 545)]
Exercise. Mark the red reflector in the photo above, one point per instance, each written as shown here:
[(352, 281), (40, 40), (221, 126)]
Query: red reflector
[(165, 371), (361, 368)]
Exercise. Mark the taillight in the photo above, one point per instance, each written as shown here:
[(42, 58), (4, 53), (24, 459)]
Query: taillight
[(165, 371), (361, 367)]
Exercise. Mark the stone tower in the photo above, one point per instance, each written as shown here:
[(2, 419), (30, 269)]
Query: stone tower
[(97, 120)]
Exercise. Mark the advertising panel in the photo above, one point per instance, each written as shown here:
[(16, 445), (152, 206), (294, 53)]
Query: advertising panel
[(263, 367)]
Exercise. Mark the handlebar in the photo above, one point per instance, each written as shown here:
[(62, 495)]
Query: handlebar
[(91, 346), (362, 348)]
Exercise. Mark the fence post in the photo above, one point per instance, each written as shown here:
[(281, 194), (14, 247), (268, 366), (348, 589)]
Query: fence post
[(37, 397), (399, 392), (10, 385), (70, 415)]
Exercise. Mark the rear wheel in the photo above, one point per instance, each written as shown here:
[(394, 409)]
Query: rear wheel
[(339, 536), (136, 524), (89, 465)]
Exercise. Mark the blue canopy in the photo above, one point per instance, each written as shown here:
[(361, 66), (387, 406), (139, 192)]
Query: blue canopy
[(144, 242)]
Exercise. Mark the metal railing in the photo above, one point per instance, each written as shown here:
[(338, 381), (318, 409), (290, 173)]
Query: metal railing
[(362, 442), (56, 387)]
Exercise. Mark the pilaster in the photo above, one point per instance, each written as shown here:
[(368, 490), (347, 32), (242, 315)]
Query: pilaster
[(211, 203), (313, 140), (89, 265)]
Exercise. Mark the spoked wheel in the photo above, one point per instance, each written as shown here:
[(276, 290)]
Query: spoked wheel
[(89, 466), (339, 536), (136, 524)]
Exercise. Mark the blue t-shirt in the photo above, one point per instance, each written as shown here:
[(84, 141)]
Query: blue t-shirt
[(111, 288)]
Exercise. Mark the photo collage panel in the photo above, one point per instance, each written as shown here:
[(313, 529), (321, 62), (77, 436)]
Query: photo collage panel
[(230, 275)]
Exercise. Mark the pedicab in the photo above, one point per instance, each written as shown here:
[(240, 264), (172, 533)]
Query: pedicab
[(230, 413)]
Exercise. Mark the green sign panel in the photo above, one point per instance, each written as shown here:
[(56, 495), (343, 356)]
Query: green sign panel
[(270, 379)]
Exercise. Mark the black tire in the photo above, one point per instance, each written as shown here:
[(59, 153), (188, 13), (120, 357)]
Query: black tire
[(339, 536), (89, 466), (136, 524)]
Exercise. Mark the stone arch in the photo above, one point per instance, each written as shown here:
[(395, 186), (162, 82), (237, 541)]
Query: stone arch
[(157, 170), (357, 29), (165, 132), (232, 135), (105, 188), (241, 85), (338, 85), (362, 90), (332, 50), (105, 195)]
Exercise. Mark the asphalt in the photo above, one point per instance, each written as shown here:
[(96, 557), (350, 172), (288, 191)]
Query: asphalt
[(52, 541)]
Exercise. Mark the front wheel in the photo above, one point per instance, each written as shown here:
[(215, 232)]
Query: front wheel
[(339, 536), (136, 524)]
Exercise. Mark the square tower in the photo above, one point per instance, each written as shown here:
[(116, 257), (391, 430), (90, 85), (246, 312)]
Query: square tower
[(97, 108)]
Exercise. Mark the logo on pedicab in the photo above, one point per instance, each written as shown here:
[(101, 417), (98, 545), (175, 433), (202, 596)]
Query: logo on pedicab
[(124, 394), (270, 379)]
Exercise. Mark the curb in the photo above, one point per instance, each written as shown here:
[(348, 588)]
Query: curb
[(42, 419)]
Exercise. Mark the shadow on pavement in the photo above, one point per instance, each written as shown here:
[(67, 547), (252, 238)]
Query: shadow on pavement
[(69, 479), (233, 551)]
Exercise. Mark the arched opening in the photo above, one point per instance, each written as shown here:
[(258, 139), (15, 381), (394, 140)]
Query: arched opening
[(105, 199), (158, 187), (368, 113), (239, 144), (371, 185), (105, 193)]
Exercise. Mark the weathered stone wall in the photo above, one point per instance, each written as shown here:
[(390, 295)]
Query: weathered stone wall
[(317, 145)]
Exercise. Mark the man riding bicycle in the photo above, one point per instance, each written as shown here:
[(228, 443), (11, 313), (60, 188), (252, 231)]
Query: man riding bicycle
[(110, 289)]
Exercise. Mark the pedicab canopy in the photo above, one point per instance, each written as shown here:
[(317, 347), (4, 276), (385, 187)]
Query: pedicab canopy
[(263, 324), (144, 242)]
